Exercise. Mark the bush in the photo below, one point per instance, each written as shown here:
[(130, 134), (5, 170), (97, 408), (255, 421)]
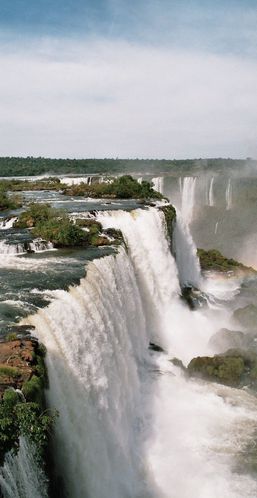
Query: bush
[(23, 419)]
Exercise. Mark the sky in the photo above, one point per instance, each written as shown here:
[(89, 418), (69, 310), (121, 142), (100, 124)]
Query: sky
[(126, 78)]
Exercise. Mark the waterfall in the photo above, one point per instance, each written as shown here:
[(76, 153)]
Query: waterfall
[(229, 195), (188, 198), (131, 425), (216, 227), (210, 193), (158, 184), (96, 339), (7, 223), (21, 475), (186, 254), (36, 245)]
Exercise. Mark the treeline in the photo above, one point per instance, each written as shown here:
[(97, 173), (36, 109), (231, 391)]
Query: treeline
[(29, 166)]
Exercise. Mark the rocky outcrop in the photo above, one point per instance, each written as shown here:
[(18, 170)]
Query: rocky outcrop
[(193, 297), (23, 378), (170, 216), (213, 260), (235, 368)]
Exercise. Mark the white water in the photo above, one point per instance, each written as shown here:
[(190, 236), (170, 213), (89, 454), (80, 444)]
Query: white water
[(158, 183), (21, 476), (188, 198), (131, 425), (76, 180), (229, 195), (186, 254), (37, 245), (210, 193), (7, 223)]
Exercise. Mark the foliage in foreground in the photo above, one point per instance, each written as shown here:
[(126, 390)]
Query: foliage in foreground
[(22, 412), (23, 419)]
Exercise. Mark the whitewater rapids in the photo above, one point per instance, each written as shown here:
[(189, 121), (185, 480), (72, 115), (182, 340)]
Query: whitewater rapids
[(131, 425)]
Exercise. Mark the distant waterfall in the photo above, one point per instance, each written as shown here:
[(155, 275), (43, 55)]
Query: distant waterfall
[(186, 254), (229, 195), (21, 476), (188, 198), (158, 184), (210, 193)]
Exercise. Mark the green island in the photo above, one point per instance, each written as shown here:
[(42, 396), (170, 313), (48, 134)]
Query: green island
[(213, 260), (54, 225)]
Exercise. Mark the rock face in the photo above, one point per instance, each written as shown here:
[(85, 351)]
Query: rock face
[(170, 217), (235, 368), (16, 363), (193, 297), (22, 367)]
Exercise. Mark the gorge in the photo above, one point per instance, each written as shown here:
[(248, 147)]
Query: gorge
[(132, 423)]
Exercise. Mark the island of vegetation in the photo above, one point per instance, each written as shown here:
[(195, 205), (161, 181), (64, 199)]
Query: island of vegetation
[(54, 225), (213, 260)]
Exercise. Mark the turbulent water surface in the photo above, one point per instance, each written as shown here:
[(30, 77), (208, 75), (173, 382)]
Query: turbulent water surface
[(131, 425)]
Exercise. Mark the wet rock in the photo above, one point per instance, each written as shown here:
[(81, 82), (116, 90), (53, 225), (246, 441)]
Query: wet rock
[(155, 347), (178, 363), (193, 297), (235, 368)]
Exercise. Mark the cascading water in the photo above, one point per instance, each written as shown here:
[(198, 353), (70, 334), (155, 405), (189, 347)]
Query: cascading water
[(158, 183), (186, 254), (210, 193), (7, 223), (21, 475), (37, 245), (229, 195), (124, 430), (188, 198)]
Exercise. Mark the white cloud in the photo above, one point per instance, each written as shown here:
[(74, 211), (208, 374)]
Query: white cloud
[(102, 99)]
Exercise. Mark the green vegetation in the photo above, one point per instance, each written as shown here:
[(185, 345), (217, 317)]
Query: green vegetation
[(55, 226), (6, 371), (7, 202), (124, 187), (18, 417), (23, 419), (19, 185), (214, 260), (52, 225), (19, 166)]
